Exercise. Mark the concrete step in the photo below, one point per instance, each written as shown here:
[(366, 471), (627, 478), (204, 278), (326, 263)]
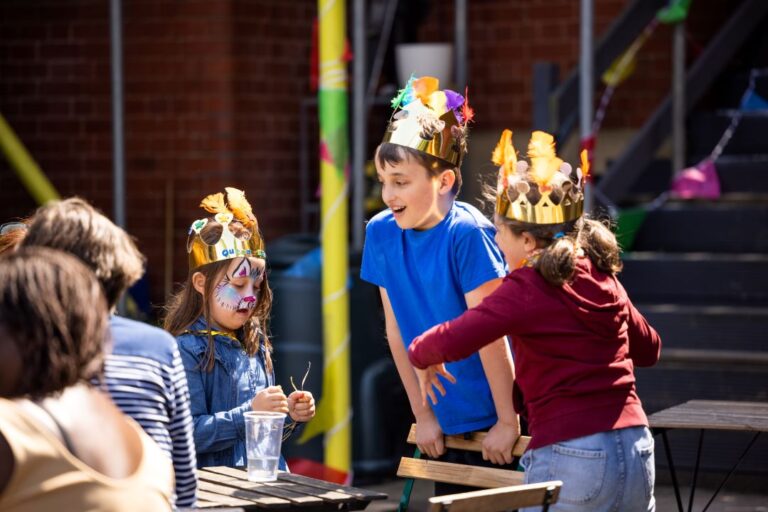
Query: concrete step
[(738, 174), (706, 128), (715, 227), (696, 278), (718, 327)]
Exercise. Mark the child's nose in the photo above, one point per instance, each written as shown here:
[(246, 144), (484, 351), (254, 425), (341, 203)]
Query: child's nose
[(386, 194), (249, 298)]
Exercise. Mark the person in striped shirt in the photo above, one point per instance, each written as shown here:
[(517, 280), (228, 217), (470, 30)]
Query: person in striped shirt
[(143, 373)]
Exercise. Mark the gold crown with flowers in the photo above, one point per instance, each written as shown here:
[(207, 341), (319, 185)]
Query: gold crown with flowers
[(430, 120), (239, 234), (548, 191)]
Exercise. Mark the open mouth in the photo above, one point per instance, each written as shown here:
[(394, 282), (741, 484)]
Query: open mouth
[(398, 209)]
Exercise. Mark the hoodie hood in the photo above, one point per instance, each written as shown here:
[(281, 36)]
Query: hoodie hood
[(596, 299)]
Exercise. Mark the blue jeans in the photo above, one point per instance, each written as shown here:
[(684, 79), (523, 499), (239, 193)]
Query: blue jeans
[(609, 471)]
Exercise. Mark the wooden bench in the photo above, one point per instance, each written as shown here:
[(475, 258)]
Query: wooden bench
[(507, 483)]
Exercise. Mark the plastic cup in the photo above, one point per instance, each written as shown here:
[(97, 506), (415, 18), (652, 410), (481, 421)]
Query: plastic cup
[(263, 438)]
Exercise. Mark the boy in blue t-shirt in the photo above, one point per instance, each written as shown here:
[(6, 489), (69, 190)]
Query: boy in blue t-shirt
[(432, 258)]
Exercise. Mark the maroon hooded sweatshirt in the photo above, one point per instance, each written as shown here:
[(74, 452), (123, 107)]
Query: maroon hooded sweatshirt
[(575, 348)]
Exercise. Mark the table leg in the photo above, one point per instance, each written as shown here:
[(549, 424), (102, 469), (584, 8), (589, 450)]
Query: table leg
[(675, 485), (696, 471), (743, 454)]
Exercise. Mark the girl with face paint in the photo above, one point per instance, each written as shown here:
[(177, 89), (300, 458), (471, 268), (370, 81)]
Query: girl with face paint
[(220, 320)]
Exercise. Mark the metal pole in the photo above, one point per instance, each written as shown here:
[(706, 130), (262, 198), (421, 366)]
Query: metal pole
[(678, 98), (460, 43), (359, 125), (586, 82), (118, 141)]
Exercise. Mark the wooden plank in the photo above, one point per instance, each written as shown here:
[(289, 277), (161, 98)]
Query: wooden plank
[(212, 500), (491, 500), (713, 415), (252, 497), (297, 484), (296, 497), (474, 443), (361, 494), (462, 474)]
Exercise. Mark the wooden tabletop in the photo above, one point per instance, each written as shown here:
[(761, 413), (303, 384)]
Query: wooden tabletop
[(713, 415), (229, 487)]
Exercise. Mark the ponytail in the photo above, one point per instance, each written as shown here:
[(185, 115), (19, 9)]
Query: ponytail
[(557, 261), (560, 244)]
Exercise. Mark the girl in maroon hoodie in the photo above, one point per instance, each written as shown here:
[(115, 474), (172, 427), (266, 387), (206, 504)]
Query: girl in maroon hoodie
[(576, 337)]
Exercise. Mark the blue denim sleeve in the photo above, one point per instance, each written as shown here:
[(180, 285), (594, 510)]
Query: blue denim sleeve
[(213, 430)]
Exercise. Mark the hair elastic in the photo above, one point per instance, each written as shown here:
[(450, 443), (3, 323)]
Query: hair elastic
[(557, 235)]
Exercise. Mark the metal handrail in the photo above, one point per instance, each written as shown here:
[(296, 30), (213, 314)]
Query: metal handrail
[(564, 100), (625, 170)]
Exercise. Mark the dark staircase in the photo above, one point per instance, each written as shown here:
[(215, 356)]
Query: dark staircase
[(698, 271)]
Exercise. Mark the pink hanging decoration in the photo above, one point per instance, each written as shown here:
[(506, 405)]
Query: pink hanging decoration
[(697, 182)]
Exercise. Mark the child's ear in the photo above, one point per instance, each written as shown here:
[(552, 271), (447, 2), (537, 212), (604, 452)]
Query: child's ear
[(447, 179), (529, 242), (198, 282)]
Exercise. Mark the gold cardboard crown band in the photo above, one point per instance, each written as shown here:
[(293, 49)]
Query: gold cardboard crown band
[(560, 188), (416, 127), (430, 120), (226, 248), (543, 212)]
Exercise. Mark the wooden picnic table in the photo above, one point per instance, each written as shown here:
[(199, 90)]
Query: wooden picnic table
[(230, 487), (704, 415)]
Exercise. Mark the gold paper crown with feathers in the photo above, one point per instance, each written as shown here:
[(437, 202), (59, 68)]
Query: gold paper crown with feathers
[(234, 242), (430, 120), (548, 191)]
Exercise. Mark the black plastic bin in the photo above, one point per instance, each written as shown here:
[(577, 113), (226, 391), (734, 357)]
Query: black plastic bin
[(381, 414)]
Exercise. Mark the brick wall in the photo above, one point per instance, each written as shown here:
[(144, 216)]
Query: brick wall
[(211, 99)]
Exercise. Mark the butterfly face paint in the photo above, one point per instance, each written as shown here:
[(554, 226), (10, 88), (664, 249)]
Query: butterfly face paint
[(237, 295)]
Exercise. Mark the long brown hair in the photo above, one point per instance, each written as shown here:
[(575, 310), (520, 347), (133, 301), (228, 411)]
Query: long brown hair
[(559, 244), (186, 306)]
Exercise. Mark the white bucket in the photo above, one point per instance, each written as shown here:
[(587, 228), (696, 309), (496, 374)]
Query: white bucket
[(425, 59)]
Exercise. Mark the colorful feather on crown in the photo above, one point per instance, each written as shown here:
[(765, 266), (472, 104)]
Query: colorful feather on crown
[(545, 192), (235, 241), (430, 120)]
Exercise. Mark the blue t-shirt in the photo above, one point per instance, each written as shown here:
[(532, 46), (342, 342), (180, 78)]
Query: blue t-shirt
[(426, 274)]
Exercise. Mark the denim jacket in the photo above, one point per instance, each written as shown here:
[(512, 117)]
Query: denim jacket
[(220, 397)]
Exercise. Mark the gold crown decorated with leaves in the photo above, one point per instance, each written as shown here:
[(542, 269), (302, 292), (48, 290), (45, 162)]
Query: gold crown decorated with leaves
[(239, 230), (430, 120), (546, 191)]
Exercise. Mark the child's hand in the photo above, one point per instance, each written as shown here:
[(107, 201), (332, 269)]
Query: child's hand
[(429, 377), (501, 438), (301, 405), (270, 399), (429, 435)]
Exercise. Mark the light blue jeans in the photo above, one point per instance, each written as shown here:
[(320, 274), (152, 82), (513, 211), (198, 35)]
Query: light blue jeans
[(609, 471)]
